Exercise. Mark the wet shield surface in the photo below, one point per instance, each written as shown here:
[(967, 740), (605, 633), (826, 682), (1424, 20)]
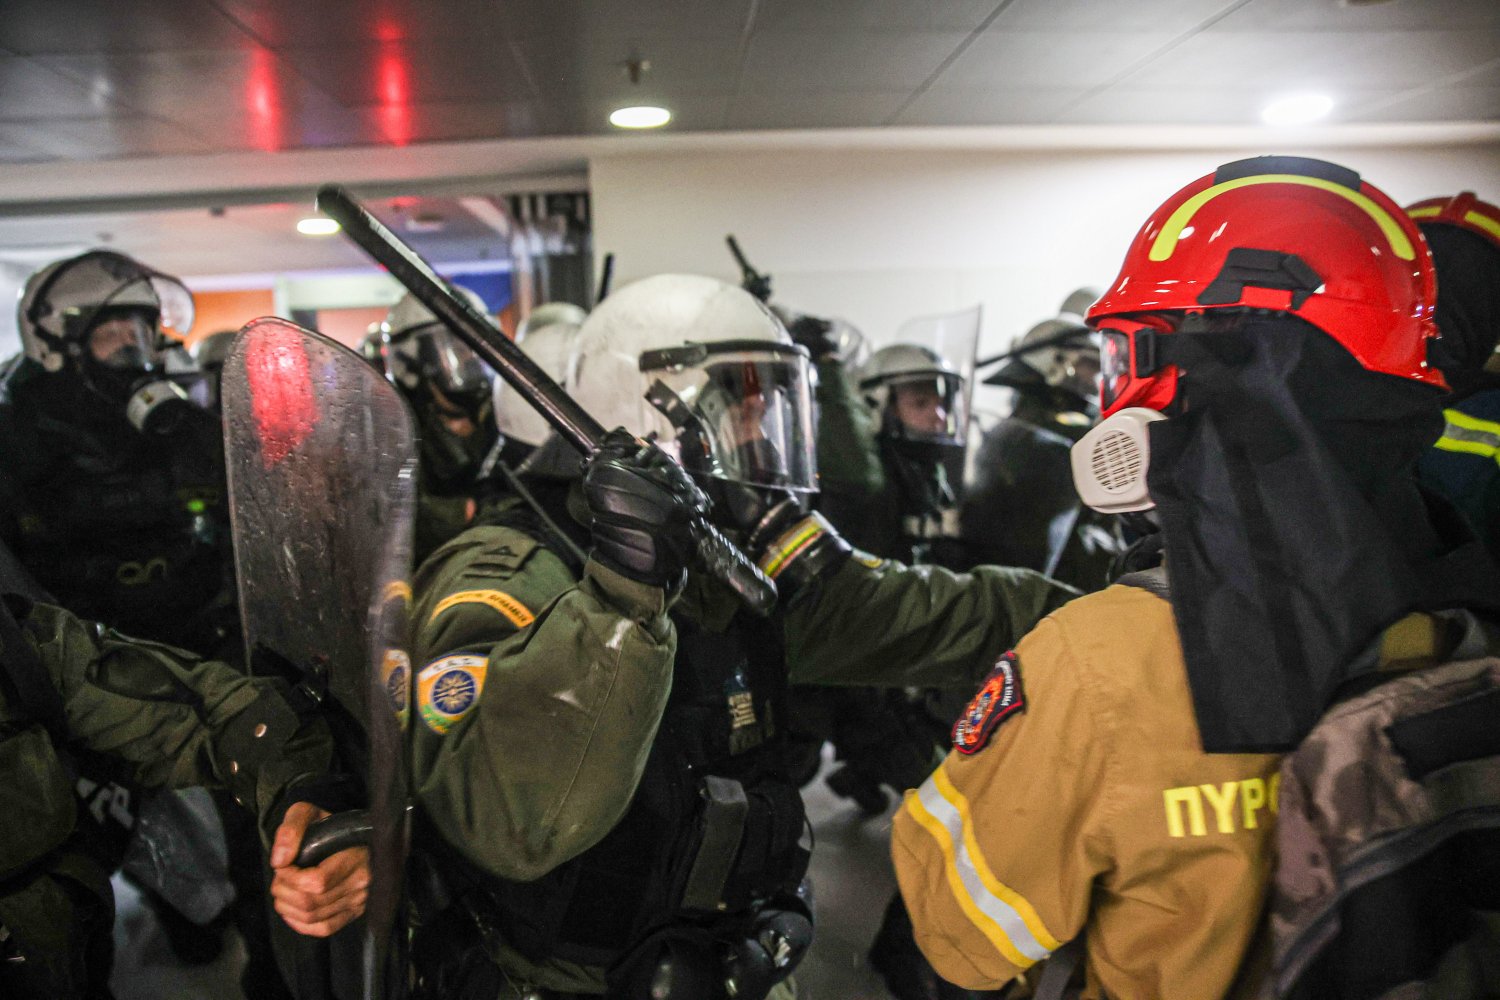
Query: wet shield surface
[(321, 455)]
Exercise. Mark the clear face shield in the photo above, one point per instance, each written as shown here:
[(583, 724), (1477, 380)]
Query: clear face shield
[(738, 410), (929, 407), (443, 362), (1079, 371)]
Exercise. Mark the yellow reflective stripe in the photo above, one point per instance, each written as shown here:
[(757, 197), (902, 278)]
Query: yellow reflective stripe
[(1425, 213), (1458, 418), (1489, 225), (1001, 914), (787, 548), (1470, 435), (1166, 240), (1446, 443)]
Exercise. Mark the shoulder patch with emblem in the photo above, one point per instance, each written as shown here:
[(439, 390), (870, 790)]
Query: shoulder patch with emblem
[(448, 688), (517, 613), (999, 697)]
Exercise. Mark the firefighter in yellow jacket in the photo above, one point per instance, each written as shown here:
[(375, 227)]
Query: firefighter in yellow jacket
[(1266, 395)]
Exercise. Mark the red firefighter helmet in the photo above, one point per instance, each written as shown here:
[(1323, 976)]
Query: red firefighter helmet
[(1464, 210), (1288, 234)]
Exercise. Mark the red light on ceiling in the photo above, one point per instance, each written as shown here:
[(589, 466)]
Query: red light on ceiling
[(388, 29), (263, 101), (395, 97)]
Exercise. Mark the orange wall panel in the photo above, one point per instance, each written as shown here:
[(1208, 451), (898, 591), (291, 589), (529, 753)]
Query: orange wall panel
[(216, 311)]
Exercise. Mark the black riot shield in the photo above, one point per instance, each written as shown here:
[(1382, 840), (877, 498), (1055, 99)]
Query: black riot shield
[(321, 454)]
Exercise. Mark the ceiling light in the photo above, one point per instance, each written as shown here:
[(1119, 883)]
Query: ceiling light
[(643, 116), (317, 225), (1297, 109)]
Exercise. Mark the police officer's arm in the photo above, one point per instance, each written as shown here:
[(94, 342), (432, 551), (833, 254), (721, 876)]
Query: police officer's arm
[(997, 852), (569, 679), (568, 682), (878, 622), (174, 720)]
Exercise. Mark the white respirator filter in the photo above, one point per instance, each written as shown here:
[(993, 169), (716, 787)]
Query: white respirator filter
[(1110, 462)]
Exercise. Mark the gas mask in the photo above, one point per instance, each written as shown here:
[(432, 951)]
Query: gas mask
[(120, 360), (1110, 462)]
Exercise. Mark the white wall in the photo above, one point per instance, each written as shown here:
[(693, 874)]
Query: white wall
[(878, 236)]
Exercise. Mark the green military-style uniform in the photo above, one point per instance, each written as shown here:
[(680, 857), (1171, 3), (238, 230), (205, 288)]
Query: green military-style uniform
[(544, 695), (159, 715)]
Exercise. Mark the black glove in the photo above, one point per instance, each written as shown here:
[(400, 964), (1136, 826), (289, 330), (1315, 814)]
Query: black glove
[(814, 334), (643, 505)]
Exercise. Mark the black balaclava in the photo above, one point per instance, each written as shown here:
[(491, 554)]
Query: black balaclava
[(1295, 531), (1468, 305)]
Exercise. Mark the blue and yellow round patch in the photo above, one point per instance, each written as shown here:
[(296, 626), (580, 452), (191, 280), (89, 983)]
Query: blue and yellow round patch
[(447, 689)]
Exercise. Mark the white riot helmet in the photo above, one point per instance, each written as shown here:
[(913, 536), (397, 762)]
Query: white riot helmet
[(729, 392), (65, 303), (1078, 301), (212, 351), (551, 347), (547, 314), (421, 353), (918, 395)]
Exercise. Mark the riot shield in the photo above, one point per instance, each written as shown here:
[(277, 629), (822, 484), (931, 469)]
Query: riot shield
[(321, 454)]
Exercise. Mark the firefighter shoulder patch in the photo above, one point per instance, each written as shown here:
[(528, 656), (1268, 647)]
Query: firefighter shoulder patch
[(998, 698), (448, 688)]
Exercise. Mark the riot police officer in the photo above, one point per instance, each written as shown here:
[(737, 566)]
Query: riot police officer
[(111, 479), (69, 687), (449, 389), (1019, 507), (597, 749)]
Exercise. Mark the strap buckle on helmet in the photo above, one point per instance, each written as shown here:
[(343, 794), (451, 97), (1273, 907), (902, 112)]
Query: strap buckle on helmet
[(1245, 267)]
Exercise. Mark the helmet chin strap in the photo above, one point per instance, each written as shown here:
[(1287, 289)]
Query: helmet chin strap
[(1110, 462)]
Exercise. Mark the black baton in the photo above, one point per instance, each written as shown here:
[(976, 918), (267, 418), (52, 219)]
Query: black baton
[(716, 555)]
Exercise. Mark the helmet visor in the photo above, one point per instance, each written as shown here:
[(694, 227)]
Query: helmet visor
[(124, 339), (738, 410), (929, 407), (443, 361)]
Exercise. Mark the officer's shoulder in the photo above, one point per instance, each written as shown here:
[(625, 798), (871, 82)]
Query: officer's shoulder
[(1117, 603), (489, 574)]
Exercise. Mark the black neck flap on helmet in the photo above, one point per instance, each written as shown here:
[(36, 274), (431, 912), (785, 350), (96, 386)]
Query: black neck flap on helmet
[(1295, 530)]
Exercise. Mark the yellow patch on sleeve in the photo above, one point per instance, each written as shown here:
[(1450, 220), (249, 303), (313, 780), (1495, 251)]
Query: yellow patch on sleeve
[(519, 614), (448, 689)]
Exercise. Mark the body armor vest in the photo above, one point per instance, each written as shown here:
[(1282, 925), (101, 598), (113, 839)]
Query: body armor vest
[(714, 830)]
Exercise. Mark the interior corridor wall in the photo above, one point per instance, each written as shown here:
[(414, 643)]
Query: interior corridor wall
[(881, 236)]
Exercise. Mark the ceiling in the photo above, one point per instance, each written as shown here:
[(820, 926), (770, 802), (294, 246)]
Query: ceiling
[(126, 79)]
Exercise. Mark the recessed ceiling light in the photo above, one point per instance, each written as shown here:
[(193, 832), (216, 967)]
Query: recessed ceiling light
[(1297, 109), (317, 225), (644, 116)]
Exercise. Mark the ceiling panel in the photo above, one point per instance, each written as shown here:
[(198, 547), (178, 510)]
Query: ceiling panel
[(974, 106), (1049, 58), (613, 18), (1270, 62), (889, 15), (1433, 104), (679, 64), (779, 61), (841, 109), (1091, 15), (478, 67), (32, 91), (1301, 15), (48, 26), (349, 22), (73, 138), (241, 100), (442, 121)]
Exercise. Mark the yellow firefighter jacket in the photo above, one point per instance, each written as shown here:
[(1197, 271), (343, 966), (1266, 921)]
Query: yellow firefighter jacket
[(1084, 805)]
